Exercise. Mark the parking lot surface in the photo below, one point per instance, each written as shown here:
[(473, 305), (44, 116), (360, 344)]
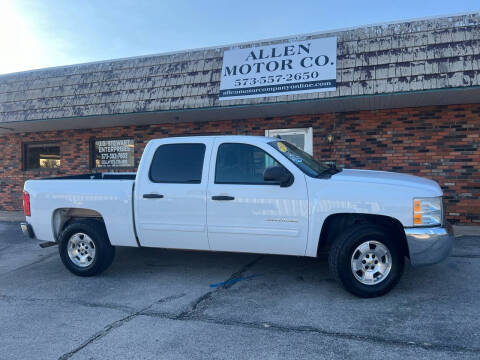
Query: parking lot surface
[(165, 304)]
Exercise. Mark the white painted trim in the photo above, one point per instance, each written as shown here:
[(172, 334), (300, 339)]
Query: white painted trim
[(307, 132)]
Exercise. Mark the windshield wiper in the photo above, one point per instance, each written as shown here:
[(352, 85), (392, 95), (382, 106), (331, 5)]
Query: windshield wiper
[(331, 170)]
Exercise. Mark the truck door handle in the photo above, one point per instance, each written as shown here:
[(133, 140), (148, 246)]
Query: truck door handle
[(222, 197), (152, 196)]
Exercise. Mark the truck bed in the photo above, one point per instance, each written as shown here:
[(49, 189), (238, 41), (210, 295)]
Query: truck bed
[(111, 199)]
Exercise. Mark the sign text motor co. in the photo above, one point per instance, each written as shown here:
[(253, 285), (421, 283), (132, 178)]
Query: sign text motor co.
[(294, 67), (273, 65)]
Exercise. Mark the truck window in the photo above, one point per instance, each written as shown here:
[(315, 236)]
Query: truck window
[(242, 164), (178, 163)]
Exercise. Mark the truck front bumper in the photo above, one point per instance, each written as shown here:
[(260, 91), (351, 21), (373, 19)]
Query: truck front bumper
[(27, 230), (429, 245)]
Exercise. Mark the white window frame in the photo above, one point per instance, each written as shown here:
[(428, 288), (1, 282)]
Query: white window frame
[(307, 132)]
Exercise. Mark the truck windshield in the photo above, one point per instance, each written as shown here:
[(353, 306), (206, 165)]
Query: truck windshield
[(303, 160)]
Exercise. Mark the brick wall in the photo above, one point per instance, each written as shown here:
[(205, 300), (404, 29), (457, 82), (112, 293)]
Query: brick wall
[(439, 142)]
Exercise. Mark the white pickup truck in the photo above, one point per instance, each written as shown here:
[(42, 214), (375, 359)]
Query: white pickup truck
[(244, 194)]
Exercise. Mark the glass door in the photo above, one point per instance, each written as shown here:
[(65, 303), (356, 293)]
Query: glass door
[(301, 138)]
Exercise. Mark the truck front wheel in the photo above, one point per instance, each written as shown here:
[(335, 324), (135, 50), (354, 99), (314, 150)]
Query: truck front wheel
[(366, 260), (85, 249)]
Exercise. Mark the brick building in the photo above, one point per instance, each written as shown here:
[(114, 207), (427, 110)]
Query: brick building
[(406, 99)]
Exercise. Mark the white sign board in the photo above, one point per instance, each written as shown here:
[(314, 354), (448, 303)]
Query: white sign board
[(281, 69), (114, 153)]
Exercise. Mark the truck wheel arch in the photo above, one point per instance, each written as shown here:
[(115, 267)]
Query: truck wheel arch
[(62, 217), (336, 223)]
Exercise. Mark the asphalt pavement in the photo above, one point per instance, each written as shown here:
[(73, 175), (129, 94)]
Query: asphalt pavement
[(170, 304)]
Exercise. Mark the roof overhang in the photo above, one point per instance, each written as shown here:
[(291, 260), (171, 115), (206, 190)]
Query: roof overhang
[(450, 96)]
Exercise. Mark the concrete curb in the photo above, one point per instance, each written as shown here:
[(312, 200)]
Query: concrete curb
[(12, 216), (466, 230)]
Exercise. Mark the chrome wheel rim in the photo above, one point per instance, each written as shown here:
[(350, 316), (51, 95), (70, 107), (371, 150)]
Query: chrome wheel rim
[(371, 262), (81, 250)]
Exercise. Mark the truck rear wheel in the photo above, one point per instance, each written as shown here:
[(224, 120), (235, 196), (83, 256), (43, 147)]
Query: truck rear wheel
[(85, 249), (366, 260)]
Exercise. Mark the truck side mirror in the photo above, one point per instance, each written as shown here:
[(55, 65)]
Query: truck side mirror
[(279, 175)]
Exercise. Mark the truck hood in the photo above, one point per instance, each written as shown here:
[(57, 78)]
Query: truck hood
[(389, 178)]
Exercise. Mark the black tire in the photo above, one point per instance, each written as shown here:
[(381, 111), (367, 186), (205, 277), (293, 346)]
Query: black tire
[(104, 251), (342, 250)]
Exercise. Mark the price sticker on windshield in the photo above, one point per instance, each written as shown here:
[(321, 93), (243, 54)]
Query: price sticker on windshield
[(281, 146)]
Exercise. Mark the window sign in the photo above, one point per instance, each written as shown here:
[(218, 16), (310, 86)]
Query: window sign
[(281, 69), (117, 153)]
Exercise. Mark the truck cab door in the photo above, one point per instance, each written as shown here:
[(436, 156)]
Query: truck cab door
[(170, 194), (245, 213)]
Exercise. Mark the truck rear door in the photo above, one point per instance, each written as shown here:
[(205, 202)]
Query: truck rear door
[(170, 194)]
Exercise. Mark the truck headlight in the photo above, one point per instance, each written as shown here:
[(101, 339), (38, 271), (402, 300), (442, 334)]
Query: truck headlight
[(427, 211)]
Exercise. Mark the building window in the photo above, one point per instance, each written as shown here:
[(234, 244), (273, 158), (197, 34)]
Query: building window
[(178, 163), (113, 153), (41, 156), (301, 138)]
